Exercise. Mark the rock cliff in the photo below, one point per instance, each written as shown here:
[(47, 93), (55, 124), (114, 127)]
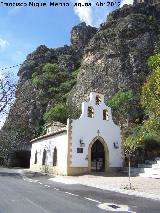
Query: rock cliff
[(31, 102), (111, 58), (116, 57)]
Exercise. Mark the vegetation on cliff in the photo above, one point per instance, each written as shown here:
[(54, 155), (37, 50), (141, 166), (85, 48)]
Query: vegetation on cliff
[(144, 135), (111, 60)]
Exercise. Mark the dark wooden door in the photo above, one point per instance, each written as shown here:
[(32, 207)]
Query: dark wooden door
[(97, 157)]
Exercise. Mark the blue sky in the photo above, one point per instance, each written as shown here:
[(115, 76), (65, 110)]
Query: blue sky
[(24, 29)]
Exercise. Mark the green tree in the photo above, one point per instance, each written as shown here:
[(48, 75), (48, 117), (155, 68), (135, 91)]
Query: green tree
[(154, 61), (109, 17), (150, 98), (57, 113), (120, 104), (50, 68), (75, 73)]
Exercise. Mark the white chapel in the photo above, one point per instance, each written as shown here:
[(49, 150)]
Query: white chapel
[(91, 143)]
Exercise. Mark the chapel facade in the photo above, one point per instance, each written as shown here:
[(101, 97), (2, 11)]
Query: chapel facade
[(91, 143)]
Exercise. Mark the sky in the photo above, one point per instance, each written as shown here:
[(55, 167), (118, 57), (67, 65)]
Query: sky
[(23, 29)]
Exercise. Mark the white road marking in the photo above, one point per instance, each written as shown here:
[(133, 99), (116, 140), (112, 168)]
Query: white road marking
[(71, 194), (56, 189), (34, 181), (40, 183), (87, 198), (30, 180), (47, 186)]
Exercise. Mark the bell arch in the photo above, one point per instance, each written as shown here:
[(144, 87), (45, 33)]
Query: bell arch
[(106, 153)]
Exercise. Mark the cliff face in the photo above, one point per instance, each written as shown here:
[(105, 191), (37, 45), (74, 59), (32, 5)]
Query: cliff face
[(112, 58), (116, 57), (31, 102)]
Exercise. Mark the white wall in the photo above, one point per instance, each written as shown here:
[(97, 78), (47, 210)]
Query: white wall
[(49, 143), (86, 128)]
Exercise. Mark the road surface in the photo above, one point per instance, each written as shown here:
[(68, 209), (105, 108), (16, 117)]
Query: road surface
[(20, 194)]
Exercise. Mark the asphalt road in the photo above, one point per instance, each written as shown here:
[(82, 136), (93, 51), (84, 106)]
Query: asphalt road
[(20, 194)]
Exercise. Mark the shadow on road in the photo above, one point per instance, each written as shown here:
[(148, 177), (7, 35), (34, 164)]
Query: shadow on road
[(8, 174)]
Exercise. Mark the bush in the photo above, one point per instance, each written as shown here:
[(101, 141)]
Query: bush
[(121, 100), (56, 113), (151, 127), (75, 73), (50, 68), (109, 17), (53, 90), (36, 79), (151, 143), (31, 64), (65, 87), (154, 61), (150, 98)]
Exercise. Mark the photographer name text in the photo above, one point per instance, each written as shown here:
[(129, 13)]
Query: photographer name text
[(59, 4)]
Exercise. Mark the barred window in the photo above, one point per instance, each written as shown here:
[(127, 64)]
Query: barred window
[(98, 100), (90, 112), (105, 115)]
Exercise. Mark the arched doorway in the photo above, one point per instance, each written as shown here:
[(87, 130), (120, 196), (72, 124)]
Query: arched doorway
[(98, 155)]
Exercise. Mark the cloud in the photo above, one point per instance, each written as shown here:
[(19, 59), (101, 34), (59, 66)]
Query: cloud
[(126, 2), (85, 14), (93, 15), (3, 43)]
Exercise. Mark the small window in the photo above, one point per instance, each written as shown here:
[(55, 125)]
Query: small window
[(44, 157), (79, 150), (98, 100), (90, 112), (35, 159), (105, 115), (55, 157)]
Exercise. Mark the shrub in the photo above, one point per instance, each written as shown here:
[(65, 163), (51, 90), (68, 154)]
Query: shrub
[(56, 113), (150, 98), (66, 86), (36, 80), (31, 64), (120, 100), (53, 90), (109, 17), (151, 143), (154, 61), (50, 68), (75, 73)]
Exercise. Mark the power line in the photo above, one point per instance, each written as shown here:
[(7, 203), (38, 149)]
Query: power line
[(17, 65), (6, 68)]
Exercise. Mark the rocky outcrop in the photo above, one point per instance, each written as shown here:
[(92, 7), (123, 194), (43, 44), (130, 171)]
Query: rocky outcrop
[(31, 102), (81, 35), (111, 58), (116, 57)]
